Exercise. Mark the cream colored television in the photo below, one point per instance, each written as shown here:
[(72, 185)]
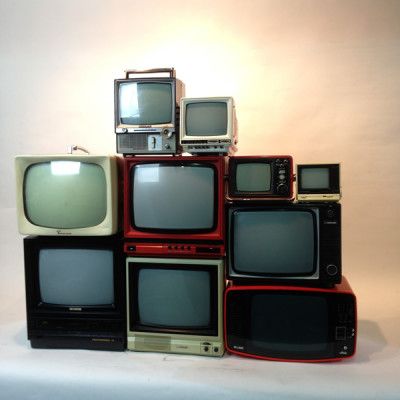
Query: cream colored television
[(67, 195), (175, 305)]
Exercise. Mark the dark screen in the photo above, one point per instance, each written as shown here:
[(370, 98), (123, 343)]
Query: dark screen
[(173, 197), (274, 242), (206, 119), (287, 323), (146, 103), (174, 298)]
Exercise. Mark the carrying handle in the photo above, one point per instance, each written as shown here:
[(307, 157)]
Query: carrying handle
[(171, 71), (73, 147)]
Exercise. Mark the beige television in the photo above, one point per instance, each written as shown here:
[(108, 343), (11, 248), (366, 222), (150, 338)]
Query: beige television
[(67, 195), (175, 305)]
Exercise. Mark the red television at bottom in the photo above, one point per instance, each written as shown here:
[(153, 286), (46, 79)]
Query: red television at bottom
[(289, 323)]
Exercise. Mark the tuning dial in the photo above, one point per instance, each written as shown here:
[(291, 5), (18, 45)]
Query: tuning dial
[(282, 188), (167, 133), (331, 269)]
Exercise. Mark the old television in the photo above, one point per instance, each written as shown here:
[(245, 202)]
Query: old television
[(294, 243), (147, 112), (208, 125), (175, 305), (318, 182), (291, 323), (174, 205), (260, 178), (67, 195), (75, 292)]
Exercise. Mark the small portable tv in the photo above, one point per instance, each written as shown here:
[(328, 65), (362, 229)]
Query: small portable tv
[(174, 205), (318, 182), (67, 195), (291, 323), (75, 292), (208, 125), (147, 112), (293, 243), (260, 178), (175, 305)]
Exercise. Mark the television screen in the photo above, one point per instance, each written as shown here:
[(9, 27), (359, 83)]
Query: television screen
[(253, 177), (76, 277), (65, 194), (174, 298), (173, 197), (315, 178), (145, 103), (285, 323), (206, 118), (273, 241)]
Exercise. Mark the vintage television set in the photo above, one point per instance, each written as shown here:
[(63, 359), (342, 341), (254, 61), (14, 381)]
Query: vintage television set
[(291, 323), (174, 206), (260, 178), (318, 182), (175, 305), (75, 292), (147, 112), (208, 125), (295, 243), (67, 195)]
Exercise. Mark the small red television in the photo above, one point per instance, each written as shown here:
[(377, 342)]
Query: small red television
[(174, 206), (291, 323)]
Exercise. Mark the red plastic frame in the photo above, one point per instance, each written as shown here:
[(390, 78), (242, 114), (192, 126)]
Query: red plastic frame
[(343, 287), (265, 197), (216, 235)]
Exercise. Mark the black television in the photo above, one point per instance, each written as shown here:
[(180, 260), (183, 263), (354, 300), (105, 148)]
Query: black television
[(287, 243), (75, 292)]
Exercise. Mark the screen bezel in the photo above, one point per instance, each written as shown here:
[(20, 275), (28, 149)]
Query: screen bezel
[(134, 324), (119, 126), (217, 233), (233, 273), (233, 191), (334, 179), (184, 138), (340, 294), (32, 248), (108, 226)]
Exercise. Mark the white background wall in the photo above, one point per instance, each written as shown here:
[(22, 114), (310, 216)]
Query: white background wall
[(317, 79)]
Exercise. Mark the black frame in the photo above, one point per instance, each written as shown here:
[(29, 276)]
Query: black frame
[(286, 162), (134, 322), (334, 179), (176, 163), (76, 326), (341, 312), (327, 245)]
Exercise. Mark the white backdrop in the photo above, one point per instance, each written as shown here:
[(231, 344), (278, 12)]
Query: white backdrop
[(315, 79)]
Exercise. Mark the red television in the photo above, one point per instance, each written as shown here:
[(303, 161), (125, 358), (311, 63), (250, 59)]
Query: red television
[(291, 323), (174, 206)]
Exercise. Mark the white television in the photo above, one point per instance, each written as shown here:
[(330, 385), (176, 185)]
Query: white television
[(67, 195)]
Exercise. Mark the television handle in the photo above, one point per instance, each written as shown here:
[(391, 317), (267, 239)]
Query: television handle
[(73, 147), (171, 71)]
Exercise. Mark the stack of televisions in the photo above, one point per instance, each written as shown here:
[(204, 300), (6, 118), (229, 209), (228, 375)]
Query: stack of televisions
[(217, 251)]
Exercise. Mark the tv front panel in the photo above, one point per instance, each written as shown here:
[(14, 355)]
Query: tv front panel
[(260, 178), (174, 199), (294, 243), (75, 292), (208, 125), (147, 112), (67, 195), (291, 323), (318, 182), (175, 305)]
